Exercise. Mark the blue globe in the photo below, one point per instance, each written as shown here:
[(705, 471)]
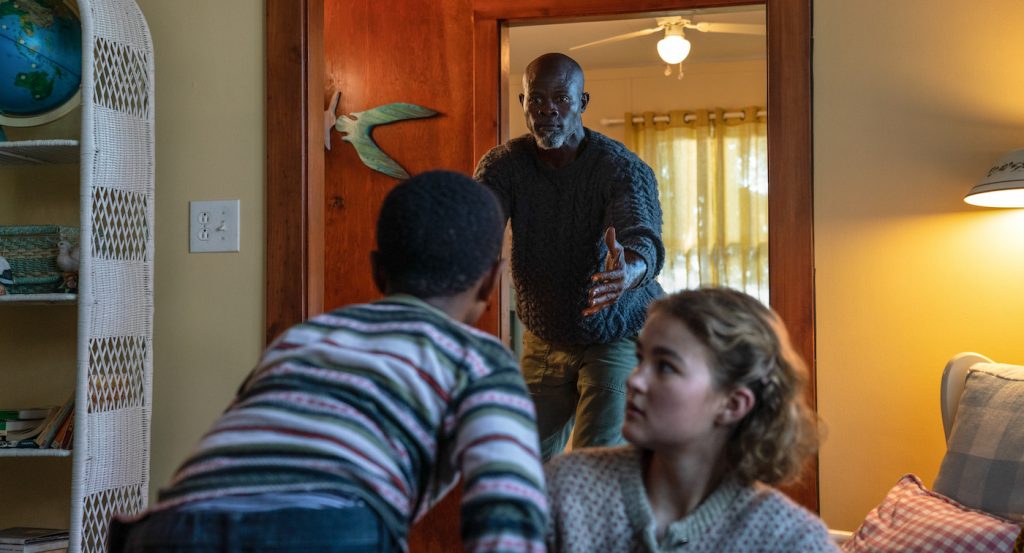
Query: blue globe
[(40, 58)]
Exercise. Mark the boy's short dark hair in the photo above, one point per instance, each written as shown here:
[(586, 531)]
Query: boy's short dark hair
[(438, 233)]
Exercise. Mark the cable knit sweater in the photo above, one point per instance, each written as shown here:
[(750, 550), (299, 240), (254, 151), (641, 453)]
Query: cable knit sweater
[(558, 221), (598, 503)]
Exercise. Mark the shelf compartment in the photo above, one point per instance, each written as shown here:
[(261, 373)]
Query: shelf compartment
[(39, 152)]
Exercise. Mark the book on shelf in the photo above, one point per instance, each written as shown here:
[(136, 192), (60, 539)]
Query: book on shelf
[(17, 424), (68, 443), (22, 536), (55, 546), (11, 438), (62, 439), (53, 423), (20, 424), (25, 539), (24, 414)]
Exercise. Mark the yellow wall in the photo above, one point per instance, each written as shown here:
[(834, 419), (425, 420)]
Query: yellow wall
[(912, 103), (209, 146)]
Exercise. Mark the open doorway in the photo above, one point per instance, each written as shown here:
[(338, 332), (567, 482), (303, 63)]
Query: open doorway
[(700, 124), (321, 233)]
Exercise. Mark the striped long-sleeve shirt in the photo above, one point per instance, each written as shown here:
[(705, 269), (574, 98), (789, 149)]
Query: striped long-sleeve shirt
[(391, 402)]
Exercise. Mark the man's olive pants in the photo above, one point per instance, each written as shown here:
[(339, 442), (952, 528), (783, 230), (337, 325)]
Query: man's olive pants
[(578, 390)]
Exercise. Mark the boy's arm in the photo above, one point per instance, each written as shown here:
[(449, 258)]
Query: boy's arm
[(504, 508)]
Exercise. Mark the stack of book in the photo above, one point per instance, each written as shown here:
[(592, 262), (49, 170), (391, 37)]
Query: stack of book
[(18, 424), (25, 428), (22, 539)]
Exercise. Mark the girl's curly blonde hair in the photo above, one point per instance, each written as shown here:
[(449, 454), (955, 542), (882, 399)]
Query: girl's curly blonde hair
[(750, 347)]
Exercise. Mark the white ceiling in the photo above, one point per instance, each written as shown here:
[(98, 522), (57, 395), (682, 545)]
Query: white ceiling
[(528, 42)]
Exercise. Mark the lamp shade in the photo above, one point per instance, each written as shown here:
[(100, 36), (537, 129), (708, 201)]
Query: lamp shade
[(673, 48), (1003, 185)]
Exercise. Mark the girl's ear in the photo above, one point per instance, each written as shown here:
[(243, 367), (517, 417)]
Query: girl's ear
[(737, 404)]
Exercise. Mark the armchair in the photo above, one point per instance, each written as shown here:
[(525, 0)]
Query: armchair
[(977, 504)]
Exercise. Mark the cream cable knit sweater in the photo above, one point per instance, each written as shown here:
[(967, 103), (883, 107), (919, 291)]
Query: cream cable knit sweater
[(598, 504)]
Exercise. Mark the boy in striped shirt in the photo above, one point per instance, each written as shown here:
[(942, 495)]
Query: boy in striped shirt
[(357, 421)]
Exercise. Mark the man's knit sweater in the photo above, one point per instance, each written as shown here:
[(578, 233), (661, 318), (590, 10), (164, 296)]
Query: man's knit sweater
[(598, 503), (390, 402), (559, 217)]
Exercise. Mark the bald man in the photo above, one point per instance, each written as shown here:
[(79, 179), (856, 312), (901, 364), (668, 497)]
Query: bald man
[(586, 248)]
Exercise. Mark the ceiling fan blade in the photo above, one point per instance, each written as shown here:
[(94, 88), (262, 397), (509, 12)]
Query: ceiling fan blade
[(617, 38), (736, 28)]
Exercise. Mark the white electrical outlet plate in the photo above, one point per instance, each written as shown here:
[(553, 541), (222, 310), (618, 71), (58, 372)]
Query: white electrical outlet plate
[(213, 226)]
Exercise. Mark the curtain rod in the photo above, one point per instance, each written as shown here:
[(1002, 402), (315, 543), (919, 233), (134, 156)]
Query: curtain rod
[(686, 118)]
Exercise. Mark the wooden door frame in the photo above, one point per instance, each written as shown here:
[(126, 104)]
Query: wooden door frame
[(294, 217), (294, 135)]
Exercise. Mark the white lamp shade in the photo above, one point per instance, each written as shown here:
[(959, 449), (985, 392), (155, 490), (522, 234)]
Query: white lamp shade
[(673, 48), (1003, 186)]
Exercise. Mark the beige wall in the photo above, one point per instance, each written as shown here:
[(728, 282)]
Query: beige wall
[(210, 146), (912, 102), (735, 84)]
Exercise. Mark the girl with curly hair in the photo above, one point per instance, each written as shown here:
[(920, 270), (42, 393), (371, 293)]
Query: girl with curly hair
[(715, 416)]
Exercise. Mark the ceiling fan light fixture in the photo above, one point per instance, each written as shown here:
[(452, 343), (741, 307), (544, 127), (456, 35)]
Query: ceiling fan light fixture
[(674, 47)]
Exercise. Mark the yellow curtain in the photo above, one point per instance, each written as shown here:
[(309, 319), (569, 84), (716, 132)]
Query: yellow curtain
[(713, 179)]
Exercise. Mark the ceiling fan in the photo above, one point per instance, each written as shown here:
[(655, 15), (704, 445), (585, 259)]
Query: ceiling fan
[(674, 47)]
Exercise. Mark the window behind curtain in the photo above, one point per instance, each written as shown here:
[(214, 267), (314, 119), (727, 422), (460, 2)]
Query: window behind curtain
[(712, 173)]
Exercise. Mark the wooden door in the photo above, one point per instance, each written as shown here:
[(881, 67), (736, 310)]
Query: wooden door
[(447, 55)]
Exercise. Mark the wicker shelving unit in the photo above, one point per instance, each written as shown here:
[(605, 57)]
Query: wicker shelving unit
[(114, 343)]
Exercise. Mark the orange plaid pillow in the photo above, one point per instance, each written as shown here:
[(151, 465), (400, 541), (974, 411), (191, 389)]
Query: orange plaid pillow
[(913, 518)]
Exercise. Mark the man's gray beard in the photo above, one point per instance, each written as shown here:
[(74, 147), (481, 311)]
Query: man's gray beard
[(552, 141)]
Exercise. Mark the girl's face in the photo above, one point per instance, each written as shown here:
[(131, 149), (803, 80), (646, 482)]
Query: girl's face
[(672, 401)]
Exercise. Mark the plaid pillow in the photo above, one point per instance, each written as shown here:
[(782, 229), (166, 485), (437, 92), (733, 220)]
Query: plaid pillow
[(984, 463), (912, 518)]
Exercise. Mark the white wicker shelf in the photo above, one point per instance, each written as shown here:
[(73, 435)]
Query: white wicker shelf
[(39, 152), (31, 452), (36, 299), (114, 338)]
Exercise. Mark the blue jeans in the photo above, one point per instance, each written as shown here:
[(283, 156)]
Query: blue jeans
[(577, 385), (349, 530)]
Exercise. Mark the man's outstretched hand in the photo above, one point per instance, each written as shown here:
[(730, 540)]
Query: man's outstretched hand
[(622, 271)]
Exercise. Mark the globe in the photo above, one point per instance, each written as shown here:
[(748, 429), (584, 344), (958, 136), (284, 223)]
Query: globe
[(40, 60)]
